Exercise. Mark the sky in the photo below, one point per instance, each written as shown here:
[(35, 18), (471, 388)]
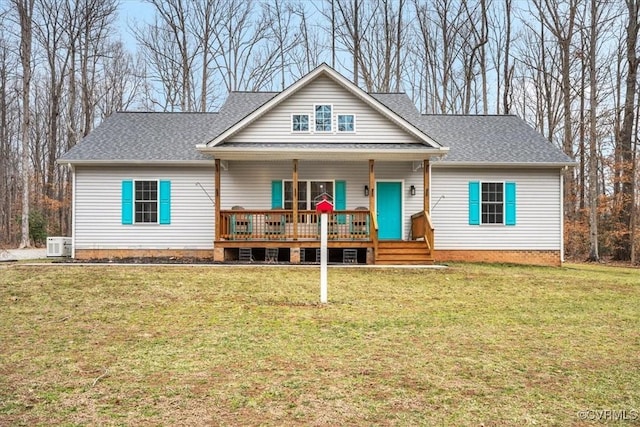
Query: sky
[(131, 12)]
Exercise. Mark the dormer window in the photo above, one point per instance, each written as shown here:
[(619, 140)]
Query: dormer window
[(323, 118), (346, 123), (300, 123)]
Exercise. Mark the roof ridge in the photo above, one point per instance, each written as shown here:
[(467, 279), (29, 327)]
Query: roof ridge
[(165, 112), (387, 93), (254, 91), (466, 115)]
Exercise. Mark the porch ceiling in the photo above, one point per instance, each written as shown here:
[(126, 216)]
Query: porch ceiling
[(351, 152)]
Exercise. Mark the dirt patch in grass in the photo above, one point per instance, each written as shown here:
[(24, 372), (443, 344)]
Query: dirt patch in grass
[(469, 345), (139, 260)]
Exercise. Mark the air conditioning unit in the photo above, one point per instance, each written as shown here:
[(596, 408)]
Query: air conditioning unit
[(59, 246)]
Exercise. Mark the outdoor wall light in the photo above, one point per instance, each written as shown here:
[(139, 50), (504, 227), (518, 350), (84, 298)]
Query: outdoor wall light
[(412, 190), (366, 190)]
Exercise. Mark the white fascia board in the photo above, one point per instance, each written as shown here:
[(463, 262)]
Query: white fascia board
[(323, 153), (342, 81), (136, 162), (502, 165)]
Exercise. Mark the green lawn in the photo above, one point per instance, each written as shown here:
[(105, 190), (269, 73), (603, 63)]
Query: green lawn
[(469, 345)]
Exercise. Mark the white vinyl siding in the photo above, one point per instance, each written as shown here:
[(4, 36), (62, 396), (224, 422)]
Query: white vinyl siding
[(98, 204), (538, 225), (276, 125), (248, 184)]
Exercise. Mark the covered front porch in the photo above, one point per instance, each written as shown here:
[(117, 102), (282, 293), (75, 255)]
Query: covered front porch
[(290, 234)]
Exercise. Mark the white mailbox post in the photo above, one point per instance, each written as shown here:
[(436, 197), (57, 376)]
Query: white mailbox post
[(324, 208)]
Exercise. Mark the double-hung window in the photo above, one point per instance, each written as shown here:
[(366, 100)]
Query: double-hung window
[(492, 203), (146, 202), (323, 114)]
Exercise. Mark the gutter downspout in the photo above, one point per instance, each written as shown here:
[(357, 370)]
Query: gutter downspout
[(73, 210), (562, 214)]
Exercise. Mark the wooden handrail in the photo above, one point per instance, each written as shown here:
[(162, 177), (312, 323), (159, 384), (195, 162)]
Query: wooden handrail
[(374, 231), (422, 227), (280, 224)]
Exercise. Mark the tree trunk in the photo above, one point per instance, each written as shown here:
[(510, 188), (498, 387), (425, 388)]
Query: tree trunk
[(624, 145), (25, 12), (506, 95), (593, 135)]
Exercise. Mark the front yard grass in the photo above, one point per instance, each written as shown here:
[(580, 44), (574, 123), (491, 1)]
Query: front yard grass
[(489, 345)]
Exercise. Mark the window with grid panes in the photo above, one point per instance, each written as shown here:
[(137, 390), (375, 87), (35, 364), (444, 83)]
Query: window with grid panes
[(492, 203), (323, 118), (146, 202)]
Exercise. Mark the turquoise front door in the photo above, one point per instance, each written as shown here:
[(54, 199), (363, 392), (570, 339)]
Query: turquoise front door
[(389, 209)]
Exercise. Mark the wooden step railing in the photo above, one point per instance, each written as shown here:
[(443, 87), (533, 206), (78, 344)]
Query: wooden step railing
[(422, 228), (281, 224)]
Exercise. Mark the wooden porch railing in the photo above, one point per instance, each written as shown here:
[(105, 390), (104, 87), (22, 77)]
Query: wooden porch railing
[(422, 228), (374, 232), (279, 224)]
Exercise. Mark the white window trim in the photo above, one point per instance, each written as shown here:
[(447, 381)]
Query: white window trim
[(338, 123), (504, 203), (314, 120), (308, 123), (157, 181)]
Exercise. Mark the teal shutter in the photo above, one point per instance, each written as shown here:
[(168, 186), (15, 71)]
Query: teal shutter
[(474, 203), (127, 202), (510, 203), (276, 195), (340, 200), (165, 202)]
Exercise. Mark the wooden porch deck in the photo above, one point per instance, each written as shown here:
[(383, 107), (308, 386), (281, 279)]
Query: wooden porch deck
[(269, 231)]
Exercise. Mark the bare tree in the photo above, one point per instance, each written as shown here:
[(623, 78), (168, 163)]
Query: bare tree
[(599, 16), (56, 32), (507, 75), (25, 15), (9, 161), (96, 20), (171, 50), (308, 51), (439, 52), (560, 19), (349, 30), (279, 18), (203, 25), (626, 135), (120, 84)]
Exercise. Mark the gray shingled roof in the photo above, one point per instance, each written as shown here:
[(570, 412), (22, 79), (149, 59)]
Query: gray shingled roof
[(491, 139), (136, 136), (149, 136), (479, 138)]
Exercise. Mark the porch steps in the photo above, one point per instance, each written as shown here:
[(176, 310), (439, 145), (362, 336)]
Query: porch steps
[(403, 252)]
